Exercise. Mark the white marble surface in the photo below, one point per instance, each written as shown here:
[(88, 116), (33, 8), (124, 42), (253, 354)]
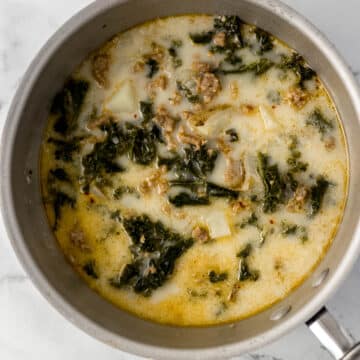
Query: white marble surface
[(29, 327)]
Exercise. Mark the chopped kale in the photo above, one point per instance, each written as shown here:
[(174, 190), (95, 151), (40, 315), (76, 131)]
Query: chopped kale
[(90, 269), (176, 61), (60, 199), (231, 25), (288, 228), (264, 39), (245, 273), (116, 215), (233, 136), (138, 142), (290, 181), (121, 190), (317, 193), (195, 164), (67, 105), (257, 68), (167, 161), (245, 252), (232, 58), (251, 220), (318, 120), (219, 191), (273, 184), (185, 199), (294, 159), (146, 109), (296, 63), (215, 278), (101, 159), (154, 250), (202, 38), (59, 174), (64, 150), (185, 91), (143, 150), (153, 67)]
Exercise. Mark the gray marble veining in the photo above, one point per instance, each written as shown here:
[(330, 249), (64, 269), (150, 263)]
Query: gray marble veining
[(30, 328)]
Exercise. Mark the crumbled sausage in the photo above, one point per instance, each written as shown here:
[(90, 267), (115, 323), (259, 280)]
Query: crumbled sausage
[(192, 139), (168, 124), (175, 99), (97, 122), (208, 85), (330, 143), (219, 39), (100, 64), (201, 234), (297, 202), (139, 66), (155, 181), (247, 109), (297, 97), (159, 83), (223, 146), (201, 67), (238, 206)]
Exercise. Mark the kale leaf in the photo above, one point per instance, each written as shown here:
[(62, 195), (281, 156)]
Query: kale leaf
[(296, 63), (154, 250), (67, 105), (59, 200), (317, 193), (217, 277), (265, 40), (202, 38), (258, 68), (245, 273), (185, 199), (64, 150), (153, 67), (318, 120), (272, 182)]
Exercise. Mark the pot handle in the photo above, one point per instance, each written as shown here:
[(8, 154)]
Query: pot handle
[(334, 338)]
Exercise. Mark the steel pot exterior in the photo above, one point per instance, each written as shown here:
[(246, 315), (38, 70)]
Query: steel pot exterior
[(36, 247)]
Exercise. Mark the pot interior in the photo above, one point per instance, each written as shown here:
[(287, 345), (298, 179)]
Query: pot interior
[(27, 223)]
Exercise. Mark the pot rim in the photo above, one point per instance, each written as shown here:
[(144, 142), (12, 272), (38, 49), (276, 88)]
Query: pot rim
[(55, 298)]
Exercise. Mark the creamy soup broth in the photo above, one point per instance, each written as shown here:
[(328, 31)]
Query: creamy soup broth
[(194, 170)]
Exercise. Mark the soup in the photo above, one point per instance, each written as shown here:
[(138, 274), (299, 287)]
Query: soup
[(194, 170)]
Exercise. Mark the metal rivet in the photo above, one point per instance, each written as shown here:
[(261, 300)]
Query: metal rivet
[(319, 279), (280, 313)]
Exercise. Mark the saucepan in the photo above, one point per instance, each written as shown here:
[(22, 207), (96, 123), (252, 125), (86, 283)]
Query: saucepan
[(38, 251)]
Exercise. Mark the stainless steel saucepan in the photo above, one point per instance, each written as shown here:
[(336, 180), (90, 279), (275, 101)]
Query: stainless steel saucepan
[(38, 251)]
